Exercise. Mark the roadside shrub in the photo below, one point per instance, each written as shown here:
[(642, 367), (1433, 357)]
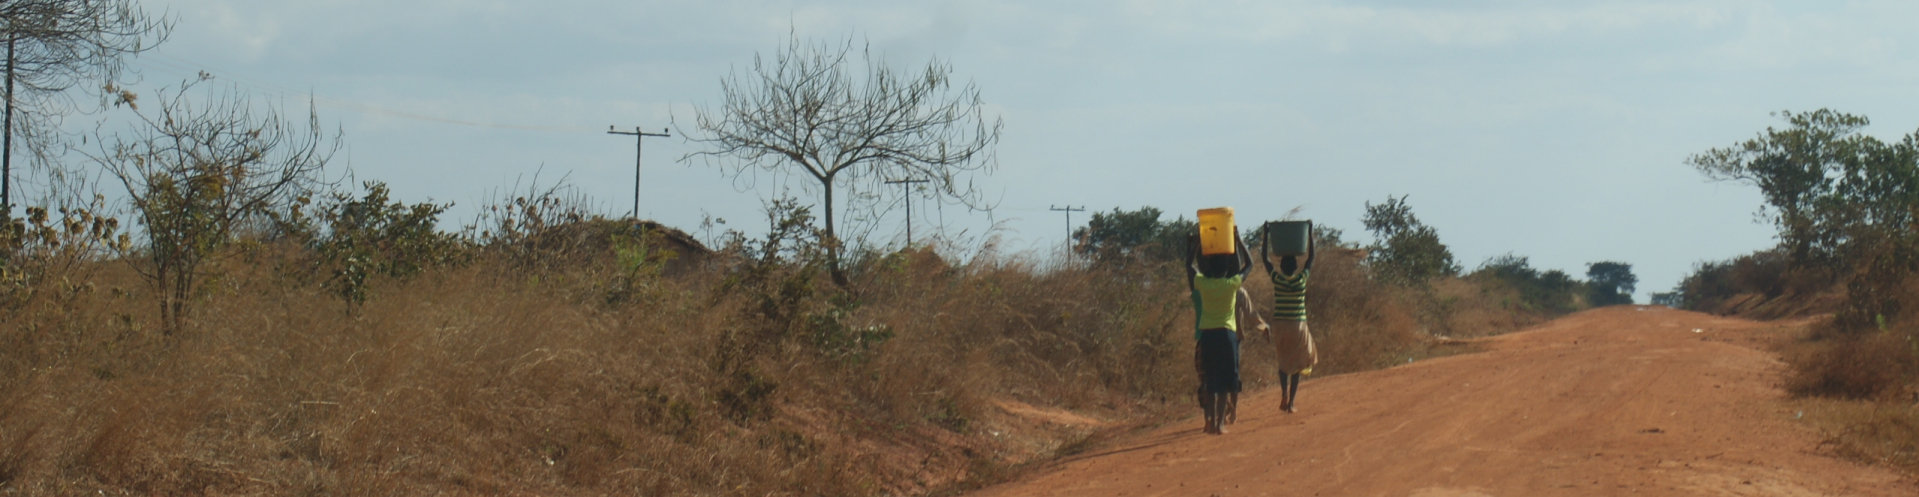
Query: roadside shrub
[(1547, 293), (1358, 322), (538, 229), (375, 237), (41, 249), (1878, 366), (1720, 287)]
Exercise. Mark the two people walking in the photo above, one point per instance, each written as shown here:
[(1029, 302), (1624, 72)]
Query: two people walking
[(1220, 301)]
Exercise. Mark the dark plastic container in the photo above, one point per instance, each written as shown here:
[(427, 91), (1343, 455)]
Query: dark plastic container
[(1288, 237)]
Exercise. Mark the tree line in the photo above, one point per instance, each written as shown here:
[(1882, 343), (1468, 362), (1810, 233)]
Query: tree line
[(1405, 252)]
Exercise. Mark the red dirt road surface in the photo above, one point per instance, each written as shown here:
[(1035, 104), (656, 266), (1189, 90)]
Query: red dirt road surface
[(1615, 401)]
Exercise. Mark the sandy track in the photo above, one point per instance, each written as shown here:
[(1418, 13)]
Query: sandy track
[(1616, 401)]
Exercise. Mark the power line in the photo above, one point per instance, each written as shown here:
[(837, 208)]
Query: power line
[(906, 185), (639, 139), (180, 65)]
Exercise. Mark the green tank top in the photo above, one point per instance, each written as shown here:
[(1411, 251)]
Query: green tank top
[(1213, 303)]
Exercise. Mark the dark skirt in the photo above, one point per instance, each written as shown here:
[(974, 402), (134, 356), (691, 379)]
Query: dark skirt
[(1219, 360)]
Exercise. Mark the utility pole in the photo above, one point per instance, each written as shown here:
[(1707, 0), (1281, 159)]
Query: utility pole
[(906, 185), (6, 156), (639, 139), (1069, 221)]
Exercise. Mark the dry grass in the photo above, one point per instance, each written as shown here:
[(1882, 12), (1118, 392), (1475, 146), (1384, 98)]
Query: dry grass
[(494, 378), (1878, 365), (1861, 386), (1873, 432)]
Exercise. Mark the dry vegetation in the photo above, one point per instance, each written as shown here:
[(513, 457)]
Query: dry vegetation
[(1857, 377), (579, 358)]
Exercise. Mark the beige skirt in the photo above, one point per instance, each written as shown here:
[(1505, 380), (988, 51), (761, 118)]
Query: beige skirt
[(1295, 344)]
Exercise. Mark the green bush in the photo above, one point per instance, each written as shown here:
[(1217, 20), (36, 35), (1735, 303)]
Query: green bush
[(374, 236), (1406, 251)]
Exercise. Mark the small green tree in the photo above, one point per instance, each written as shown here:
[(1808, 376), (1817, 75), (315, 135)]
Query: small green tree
[(1122, 236), (1609, 283), (374, 236), (1405, 251)]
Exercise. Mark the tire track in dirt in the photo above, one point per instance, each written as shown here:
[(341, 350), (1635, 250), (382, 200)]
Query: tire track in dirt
[(1615, 401)]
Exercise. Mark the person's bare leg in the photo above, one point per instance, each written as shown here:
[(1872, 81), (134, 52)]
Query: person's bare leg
[(1219, 406), (1285, 402), (1292, 393)]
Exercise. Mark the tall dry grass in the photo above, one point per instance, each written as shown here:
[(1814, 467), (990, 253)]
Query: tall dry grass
[(591, 374)]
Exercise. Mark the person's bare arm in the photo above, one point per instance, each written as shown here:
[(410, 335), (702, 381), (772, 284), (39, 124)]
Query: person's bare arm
[(1245, 257), (1192, 258), (1246, 309), (1312, 248), (1265, 248)]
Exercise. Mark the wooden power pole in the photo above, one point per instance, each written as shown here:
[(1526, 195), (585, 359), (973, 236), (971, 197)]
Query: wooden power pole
[(639, 139), (907, 186), (6, 150), (1069, 221)]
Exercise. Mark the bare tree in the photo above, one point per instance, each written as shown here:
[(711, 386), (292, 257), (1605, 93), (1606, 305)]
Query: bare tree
[(808, 110), (53, 46), (195, 171)]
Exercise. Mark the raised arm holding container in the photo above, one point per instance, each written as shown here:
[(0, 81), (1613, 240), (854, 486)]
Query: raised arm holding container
[(1292, 344), (1215, 281)]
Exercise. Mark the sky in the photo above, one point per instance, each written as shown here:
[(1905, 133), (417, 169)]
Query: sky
[(1557, 131)]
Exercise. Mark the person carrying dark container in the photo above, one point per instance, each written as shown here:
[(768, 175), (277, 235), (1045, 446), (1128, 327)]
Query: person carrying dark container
[(1288, 241)]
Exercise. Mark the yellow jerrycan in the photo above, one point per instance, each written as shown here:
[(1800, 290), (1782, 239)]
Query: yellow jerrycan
[(1216, 231)]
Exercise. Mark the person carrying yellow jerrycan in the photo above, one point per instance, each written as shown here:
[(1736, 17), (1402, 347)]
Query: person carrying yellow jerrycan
[(1288, 242), (1217, 263)]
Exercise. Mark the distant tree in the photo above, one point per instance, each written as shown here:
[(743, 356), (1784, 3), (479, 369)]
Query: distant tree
[(1508, 267), (1328, 236), (1133, 235), (814, 110), (1405, 250), (1561, 287), (194, 171), (1610, 283), (1669, 299), (53, 46), (1550, 291)]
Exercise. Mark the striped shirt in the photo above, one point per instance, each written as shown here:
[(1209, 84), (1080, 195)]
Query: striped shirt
[(1289, 295)]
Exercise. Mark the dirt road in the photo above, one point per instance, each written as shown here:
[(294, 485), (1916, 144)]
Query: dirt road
[(1616, 401)]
